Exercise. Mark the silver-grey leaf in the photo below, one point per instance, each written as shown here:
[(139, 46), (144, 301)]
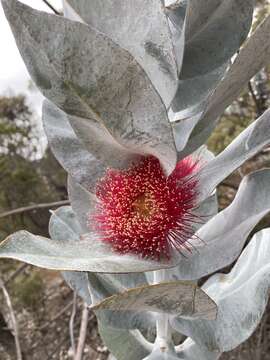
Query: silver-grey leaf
[(142, 28), (128, 320), (101, 145), (177, 21), (189, 350), (83, 203), (91, 255), (105, 285), (70, 13), (254, 55), (123, 342), (223, 237), (214, 31), (68, 149), (241, 295), (207, 209), (246, 145), (182, 125), (78, 281), (176, 297), (89, 76), (86, 165), (191, 100)]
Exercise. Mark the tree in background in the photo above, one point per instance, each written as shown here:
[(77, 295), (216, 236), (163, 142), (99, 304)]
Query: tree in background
[(25, 179)]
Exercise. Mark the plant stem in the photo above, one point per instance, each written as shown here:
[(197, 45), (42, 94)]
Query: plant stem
[(162, 323)]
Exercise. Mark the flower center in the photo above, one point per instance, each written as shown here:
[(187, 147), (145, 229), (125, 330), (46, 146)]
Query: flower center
[(142, 211), (143, 205)]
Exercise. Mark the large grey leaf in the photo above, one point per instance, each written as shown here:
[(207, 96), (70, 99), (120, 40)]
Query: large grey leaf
[(71, 229), (67, 148), (105, 285), (84, 166), (207, 209), (254, 55), (214, 31), (176, 297), (115, 283), (83, 203), (142, 28), (241, 295), (101, 145), (191, 96), (128, 320), (177, 22), (89, 76), (247, 144), (203, 155), (182, 126), (224, 236), (78, 282), (90, 255), (123, 343), (189, 350)]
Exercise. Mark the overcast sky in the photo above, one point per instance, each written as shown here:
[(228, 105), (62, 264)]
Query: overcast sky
[(14, 77)]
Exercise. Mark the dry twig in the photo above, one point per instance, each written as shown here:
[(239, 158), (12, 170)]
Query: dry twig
[(51, 7), (62, 312), (83, 331), (71, 324), (34, 207), (17, 272), (13, 320), (254, 98)]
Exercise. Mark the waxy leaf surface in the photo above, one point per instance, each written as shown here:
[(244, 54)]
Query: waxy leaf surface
[(241, 296), (86, 160), (254, 55), (220, 241), (189, 350), (89, 76), (181, 298), (89, 254), (214, 31), (142, 28), (123, 342), (247, 144)]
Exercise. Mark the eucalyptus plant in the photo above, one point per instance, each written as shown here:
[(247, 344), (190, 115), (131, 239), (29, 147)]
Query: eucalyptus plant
[(133, 90)]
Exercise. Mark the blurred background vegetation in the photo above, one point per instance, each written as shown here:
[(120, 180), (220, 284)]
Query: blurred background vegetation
[(28, 176)]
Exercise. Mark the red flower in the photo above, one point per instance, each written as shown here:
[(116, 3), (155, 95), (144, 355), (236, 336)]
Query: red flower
[(144, 212)]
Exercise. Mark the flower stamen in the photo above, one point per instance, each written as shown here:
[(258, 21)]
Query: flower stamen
[(142, 211)]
